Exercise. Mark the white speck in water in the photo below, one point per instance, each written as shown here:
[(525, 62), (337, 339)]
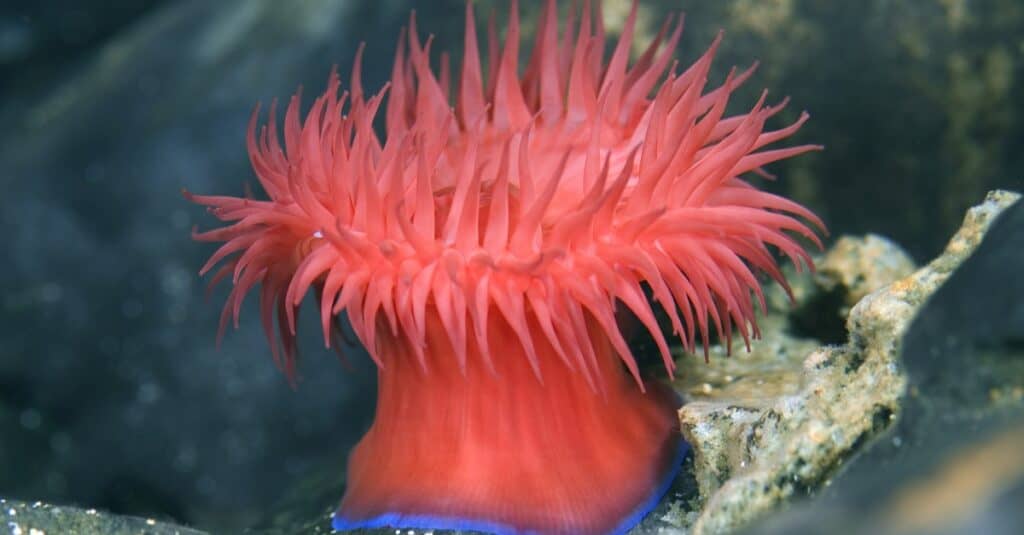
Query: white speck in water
[(148, 393), (30, 419), (90, 512), (150, 522), (318, 234), (15, 529), (61, 443), (180, 219), (12, 512), (51, 292), (175, 280)]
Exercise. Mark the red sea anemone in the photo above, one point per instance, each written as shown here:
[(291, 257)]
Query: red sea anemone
[(479, 253)]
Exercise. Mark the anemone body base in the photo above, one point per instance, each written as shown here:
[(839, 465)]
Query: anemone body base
[(495, 446)]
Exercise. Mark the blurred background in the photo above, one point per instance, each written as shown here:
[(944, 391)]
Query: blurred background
[(112, 394)]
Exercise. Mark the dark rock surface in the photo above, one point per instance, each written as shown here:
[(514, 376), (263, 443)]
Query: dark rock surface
[(953, 462)]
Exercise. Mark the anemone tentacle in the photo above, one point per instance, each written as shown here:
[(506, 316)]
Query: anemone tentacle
[(574, 189)]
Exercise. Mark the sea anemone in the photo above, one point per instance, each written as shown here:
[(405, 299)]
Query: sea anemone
[(479, 254)]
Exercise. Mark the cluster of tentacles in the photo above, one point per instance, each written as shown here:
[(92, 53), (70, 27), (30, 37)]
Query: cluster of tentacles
[(547, 197)]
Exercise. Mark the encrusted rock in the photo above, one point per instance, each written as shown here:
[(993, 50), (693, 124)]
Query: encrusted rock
[(861, 265), (952, 463), (777, 421), (20, 518)]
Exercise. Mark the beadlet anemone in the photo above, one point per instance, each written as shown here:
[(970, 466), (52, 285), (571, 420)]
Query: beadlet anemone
[(479, 253)]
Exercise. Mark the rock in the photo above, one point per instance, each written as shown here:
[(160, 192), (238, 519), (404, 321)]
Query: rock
[(853, 267), (19, 518), (776, 423), (861, 265), (952, 464)]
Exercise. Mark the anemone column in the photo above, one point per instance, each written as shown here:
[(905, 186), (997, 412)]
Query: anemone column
[(497, 444)]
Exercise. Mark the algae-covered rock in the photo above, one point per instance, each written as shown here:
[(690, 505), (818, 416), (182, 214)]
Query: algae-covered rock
[(952, 464), (861, 265), (777, 422), (20, 518)]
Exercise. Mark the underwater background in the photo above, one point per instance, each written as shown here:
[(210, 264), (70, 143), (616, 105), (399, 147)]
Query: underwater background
[(112, 393)]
